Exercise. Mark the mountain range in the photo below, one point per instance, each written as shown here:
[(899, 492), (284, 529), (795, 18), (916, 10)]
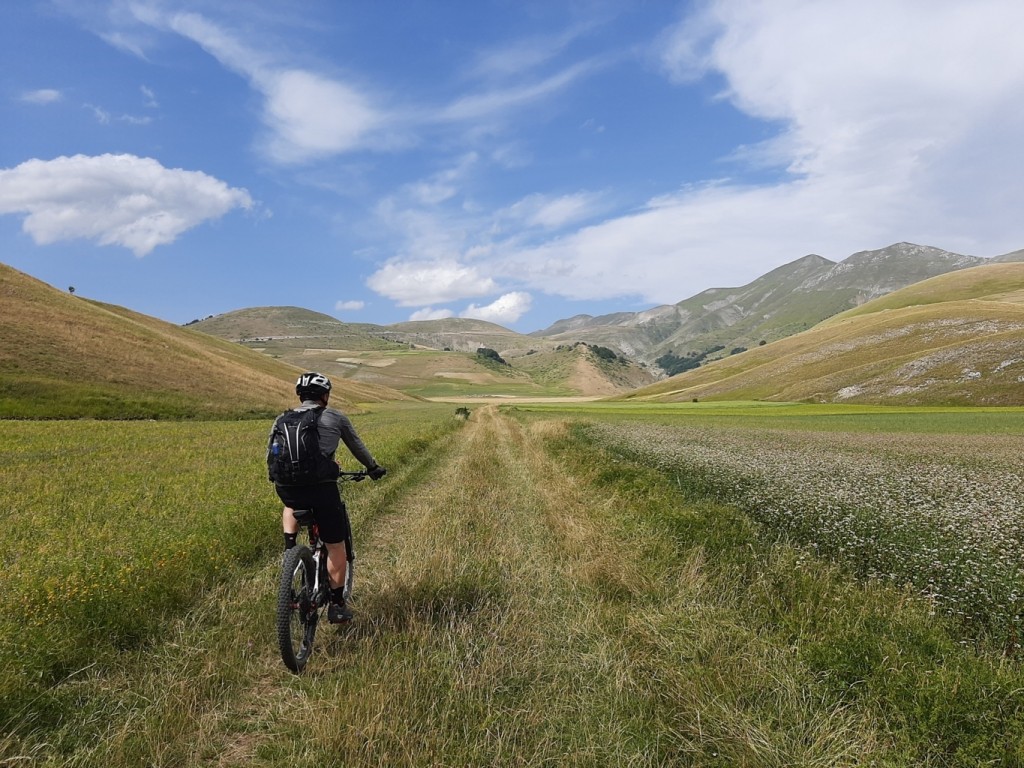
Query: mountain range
[(787, 300), (954, 339), (648, 345)]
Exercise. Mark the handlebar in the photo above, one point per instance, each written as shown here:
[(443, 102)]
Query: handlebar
[(353, 477)]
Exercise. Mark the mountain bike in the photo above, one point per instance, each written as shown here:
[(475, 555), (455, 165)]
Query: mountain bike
[(305, 590)]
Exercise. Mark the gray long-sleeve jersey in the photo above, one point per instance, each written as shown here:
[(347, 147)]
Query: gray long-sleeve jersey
[(335, 427)]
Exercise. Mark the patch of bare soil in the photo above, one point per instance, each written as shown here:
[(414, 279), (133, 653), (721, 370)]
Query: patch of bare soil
[(589, 380)]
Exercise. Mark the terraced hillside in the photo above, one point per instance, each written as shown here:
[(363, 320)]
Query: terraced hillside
[(952, 339)]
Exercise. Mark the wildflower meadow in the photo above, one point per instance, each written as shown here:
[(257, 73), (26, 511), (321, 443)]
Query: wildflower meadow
[(943, 513)]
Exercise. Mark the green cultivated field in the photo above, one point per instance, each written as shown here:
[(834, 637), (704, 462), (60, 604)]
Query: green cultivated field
[(726, 584)]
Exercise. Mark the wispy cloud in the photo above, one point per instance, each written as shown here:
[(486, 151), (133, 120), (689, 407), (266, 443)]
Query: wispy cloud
[(311, 114), (525, 55), (497, 101), (149, 98), (554, 212), (307, 114), (121, 200), (901, 123), (101, 115), (444, 184), (42, 96)]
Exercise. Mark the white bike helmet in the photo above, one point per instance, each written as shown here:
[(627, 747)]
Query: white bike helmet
[(312, 386)]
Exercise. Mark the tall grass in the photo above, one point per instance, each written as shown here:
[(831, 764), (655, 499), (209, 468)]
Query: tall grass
[(111, 528)]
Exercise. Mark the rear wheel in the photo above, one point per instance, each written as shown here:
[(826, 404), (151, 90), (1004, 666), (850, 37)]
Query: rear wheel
[(296, 610)]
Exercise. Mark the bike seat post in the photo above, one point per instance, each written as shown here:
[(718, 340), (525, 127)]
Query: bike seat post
[(305, 519)]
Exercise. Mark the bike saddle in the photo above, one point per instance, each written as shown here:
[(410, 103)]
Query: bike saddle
[(303, 516)]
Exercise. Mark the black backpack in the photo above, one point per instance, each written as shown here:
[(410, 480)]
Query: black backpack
[(293, 454)]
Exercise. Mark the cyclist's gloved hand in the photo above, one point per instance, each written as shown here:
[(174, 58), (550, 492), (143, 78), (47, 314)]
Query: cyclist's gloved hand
[(376, 473)]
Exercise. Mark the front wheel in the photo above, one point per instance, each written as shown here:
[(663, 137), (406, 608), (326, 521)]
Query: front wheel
[(296, 608), (350, 576)]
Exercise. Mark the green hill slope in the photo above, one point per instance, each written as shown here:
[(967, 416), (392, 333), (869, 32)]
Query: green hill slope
[(62, 356), (952, 339)]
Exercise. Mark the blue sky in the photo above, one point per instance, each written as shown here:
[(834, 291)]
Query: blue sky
[(515, 161)]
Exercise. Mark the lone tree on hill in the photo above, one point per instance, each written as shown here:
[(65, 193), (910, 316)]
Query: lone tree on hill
[(71, 289)]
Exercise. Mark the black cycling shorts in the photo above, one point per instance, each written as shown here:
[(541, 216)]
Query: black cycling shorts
[(327, 505)]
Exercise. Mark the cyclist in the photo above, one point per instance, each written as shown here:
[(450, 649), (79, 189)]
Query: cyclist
[(324, 498)]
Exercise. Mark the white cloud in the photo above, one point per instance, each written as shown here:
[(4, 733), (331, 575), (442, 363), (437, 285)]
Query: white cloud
[(101, 115), (897, 120), (420, 283), (149, 98), (443, 185), (122, 200), (429, 313), (312, 116), (512, 156), (309, 115), (506, 309), (42, 96), (350, 306), (525, 54), (554, 212), (499, 100), (680, 245)]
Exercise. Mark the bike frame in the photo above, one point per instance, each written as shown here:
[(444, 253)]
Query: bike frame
[(290, 605)]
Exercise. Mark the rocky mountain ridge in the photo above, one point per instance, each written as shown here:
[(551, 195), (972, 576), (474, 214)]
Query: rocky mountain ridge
[(786, 300)]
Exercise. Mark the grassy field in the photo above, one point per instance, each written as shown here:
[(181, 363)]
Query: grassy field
[(531, 590), (113, 527), (804, 416)]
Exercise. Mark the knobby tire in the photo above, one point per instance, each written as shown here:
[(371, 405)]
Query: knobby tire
[(296, 616)]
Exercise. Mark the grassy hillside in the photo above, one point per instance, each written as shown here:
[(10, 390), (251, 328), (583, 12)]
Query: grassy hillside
[(952, 339), (62, 356), (291, 327), (579, 369)]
